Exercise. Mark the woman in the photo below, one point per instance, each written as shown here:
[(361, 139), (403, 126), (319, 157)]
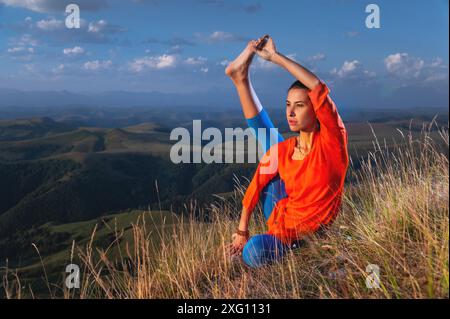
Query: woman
[(303, 192)]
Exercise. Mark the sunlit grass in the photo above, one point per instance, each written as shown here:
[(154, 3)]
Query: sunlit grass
[(395, 215)]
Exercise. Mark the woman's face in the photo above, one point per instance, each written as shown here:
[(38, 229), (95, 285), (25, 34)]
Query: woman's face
[(299, 111)]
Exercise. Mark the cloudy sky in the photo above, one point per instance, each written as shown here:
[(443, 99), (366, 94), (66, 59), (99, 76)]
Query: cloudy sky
[(183, 47)]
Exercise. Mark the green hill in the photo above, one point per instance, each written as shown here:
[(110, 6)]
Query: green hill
[(17, 130), (89, 171), (55, 243)]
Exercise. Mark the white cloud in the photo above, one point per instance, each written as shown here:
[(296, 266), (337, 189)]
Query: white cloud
[(52, 29), (219, 36), (54, 5), (18, 50), (437, 71), (224, 62), (196, 61), (98, 26), (75, 51), (23, 48), (25, 40), (352, 70), (153, 62), (402, 64), (50, 25), (97, 65), (58, 69), (410, 68), (176, 49), (29, 67), (438, 63), (347, 68), (102, 26), (317, 57), (260, 63)]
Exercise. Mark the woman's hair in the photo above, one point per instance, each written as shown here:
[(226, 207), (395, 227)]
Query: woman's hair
[(297, 85)]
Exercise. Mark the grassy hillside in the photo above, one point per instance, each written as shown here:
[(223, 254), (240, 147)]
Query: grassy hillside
[(395, 215), (55, 243), (16, 130), (62, 191), (53, 175)]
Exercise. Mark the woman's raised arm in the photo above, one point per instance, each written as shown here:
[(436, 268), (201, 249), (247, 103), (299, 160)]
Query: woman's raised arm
[(269, 52), (332, 126)]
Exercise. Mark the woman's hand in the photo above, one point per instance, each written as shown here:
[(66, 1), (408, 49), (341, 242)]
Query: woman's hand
[(266, 48), (236, 247), (240, 237)]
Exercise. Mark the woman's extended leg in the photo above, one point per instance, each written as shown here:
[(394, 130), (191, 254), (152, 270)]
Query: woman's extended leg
[(238, 71), (257, 118)]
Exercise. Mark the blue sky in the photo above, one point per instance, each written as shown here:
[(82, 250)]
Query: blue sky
[(183, 47)]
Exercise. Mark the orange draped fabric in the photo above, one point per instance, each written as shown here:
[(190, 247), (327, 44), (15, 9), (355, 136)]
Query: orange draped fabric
[(315, 184)]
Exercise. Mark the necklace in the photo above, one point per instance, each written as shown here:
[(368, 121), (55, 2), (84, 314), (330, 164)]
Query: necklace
[(301, 149)]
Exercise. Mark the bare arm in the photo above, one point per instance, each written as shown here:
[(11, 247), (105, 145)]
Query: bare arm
[(332, 126), (245, 217), (266, 170), (309, 79), (239, 241)]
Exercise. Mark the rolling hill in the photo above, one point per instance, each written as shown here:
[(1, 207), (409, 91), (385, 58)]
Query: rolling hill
[(59, 178), (72, 174)]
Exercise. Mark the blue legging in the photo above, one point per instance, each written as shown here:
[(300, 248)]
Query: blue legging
[(263, 249)]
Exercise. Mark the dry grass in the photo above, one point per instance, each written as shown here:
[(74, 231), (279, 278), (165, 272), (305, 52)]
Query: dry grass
[(395, 215)]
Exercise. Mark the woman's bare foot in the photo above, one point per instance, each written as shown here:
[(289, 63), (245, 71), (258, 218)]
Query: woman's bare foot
[(238, 69)]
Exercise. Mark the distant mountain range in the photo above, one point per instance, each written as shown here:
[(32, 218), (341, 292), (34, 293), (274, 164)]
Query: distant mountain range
[(431, 100), (18, 98)]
